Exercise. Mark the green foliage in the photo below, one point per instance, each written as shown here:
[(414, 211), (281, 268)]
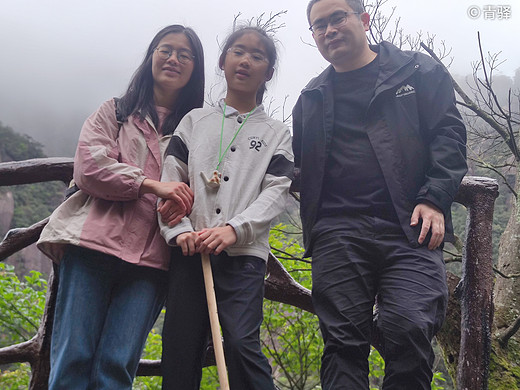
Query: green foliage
[(290, 336), (437, 380), (152, 351), (17, 378), (290, 253), (291, 340), (16, 147), (376, 365), (459, 215), (33, 202), (209, 379), (21, 305), (504, 369)]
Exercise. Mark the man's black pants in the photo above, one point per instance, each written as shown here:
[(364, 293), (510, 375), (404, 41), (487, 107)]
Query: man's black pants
[(350, 266), (239, 288)]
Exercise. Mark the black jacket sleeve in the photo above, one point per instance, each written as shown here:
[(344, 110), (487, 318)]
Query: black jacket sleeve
[(445, 134)]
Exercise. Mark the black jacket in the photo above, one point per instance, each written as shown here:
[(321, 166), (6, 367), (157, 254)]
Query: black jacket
[(413, 126)]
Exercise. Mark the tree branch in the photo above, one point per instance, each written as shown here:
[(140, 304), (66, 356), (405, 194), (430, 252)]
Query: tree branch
[(453, 260), (281, 287), (485, 165), (17, 239), (510, 276), (288, 256), (300, 270), (506, 335), (23, 352), (471, 105)]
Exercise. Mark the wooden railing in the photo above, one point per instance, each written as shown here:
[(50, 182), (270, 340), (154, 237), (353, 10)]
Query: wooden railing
[(474, 290)]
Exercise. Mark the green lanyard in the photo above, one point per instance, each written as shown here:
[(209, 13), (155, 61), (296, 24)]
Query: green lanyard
[(220, 154)]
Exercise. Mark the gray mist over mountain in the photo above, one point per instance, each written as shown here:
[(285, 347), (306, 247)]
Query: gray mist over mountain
[(60, 59)]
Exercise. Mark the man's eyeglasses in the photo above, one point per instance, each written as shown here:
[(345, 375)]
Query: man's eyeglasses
[(183, 56), (255, 57), (335, 20)]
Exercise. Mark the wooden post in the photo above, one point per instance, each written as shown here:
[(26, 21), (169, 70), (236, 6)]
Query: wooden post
[(476, 286), (214, 322)]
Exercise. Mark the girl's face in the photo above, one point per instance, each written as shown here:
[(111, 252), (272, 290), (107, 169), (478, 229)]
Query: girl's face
[(246, 65), (171, 74)]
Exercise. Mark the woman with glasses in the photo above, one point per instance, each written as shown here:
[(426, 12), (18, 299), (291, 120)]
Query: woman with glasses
[(113, 260)]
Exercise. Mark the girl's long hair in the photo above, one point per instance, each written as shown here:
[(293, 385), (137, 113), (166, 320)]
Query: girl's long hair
[(138, 99)]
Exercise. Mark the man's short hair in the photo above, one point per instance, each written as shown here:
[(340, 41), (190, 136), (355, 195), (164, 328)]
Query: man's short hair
[(356, 5)]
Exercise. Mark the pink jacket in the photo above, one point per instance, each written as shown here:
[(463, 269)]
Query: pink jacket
[(108, 215)]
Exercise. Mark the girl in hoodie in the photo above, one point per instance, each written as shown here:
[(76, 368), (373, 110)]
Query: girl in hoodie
[(238, 162)]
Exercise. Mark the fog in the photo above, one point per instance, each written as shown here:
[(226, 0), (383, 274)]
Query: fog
[(60, 59)]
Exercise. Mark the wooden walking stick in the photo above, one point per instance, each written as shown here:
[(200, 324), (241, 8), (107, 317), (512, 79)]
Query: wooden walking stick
[(214, 322)]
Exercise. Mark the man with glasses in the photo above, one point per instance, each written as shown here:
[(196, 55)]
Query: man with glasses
[(380, 149)]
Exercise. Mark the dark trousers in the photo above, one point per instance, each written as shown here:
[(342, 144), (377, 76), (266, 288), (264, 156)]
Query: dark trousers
[(350, 266), (239, 288)]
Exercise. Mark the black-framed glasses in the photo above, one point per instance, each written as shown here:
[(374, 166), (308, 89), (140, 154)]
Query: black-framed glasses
[(183, 56), (335, 20), (255, 56)]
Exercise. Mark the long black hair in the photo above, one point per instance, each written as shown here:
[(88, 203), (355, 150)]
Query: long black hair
[(138, 99), (270, 48)]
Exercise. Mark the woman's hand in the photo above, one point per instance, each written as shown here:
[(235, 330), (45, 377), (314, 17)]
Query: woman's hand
[(178, 192), (171, 212), (215, 240)]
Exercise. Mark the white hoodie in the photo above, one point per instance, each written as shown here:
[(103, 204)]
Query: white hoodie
[(256, 174)]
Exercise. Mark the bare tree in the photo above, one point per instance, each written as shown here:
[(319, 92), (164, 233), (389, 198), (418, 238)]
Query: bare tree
[(493, 126)]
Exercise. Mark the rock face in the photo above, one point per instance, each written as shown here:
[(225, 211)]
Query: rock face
[(29, 258), (6, 212)]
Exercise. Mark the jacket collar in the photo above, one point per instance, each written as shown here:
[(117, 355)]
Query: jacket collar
[(150, 122), (393, 67), (320, 82), (231, 111)]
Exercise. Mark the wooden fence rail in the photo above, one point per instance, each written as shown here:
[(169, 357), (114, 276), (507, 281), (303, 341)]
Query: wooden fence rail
[(474, 291)]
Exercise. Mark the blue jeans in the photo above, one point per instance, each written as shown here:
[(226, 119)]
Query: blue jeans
[(105, 308)]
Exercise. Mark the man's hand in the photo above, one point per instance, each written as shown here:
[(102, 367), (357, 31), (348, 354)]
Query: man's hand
[(432, 218), (215, 240), (189, 243)]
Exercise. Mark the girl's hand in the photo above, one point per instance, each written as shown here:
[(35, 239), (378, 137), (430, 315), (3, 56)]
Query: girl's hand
[(171, 212), (189, 243), (215, 240)]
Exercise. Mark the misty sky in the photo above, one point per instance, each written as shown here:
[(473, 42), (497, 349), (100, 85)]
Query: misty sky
[(60, 59)]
